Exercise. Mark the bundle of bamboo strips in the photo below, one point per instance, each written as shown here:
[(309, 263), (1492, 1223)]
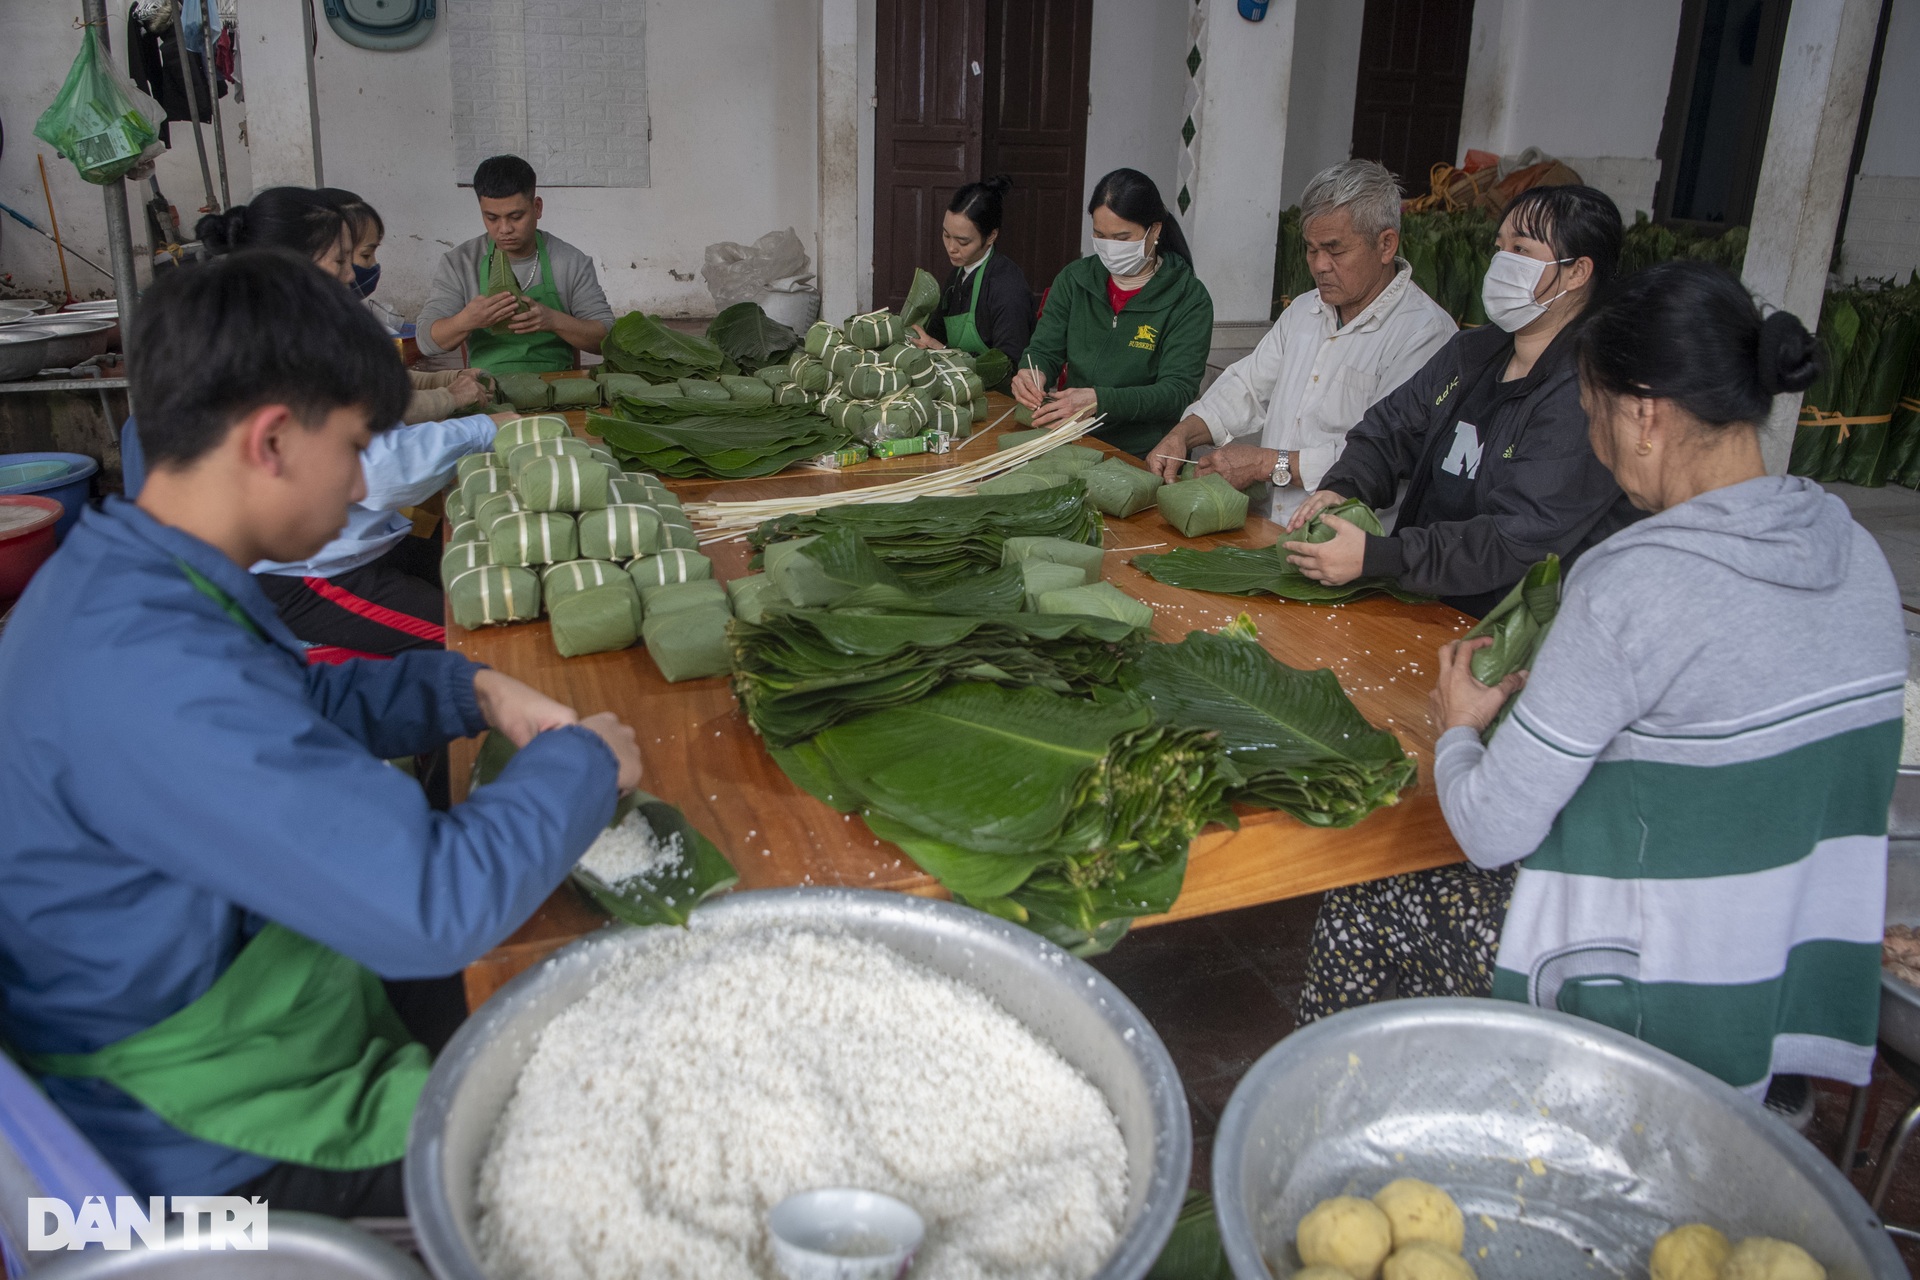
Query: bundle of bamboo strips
[(721, 521)]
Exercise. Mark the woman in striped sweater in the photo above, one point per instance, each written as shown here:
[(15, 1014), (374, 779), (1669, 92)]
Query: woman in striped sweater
[(1694, 783)]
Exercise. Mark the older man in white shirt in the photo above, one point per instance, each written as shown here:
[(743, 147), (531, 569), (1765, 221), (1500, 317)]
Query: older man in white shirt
[(1364, 330)]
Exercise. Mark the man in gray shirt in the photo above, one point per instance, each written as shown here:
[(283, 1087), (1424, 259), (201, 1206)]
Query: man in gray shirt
[(531, 321)]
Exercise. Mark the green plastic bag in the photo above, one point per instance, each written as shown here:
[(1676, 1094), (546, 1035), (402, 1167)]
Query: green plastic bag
[(98, 120)]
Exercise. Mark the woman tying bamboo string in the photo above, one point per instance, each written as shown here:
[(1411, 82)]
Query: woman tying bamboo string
[(986, 304), (1694, 778)]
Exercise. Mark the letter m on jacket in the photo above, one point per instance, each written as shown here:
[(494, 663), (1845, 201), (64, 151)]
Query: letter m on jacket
[(1463, 457)]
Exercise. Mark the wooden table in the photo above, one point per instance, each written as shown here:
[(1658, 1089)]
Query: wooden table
[(702, 755)]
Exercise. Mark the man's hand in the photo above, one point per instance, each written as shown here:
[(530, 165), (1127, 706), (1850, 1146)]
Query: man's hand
[(1065, 404), (620, 740), (485, 310), (1170, 454), (537, 318), (926, 341), (1240, 465), (1335, 562), (1312, 507), (466, 389), (1459, 699), (1028, 388), (518, 710)]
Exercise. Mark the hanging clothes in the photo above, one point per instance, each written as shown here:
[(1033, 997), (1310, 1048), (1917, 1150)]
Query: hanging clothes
[(154, 64)]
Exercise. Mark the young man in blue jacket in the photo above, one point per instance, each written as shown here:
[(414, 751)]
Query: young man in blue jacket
[(206, 867)]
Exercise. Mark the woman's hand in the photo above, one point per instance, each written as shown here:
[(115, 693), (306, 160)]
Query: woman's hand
[(926, 341), (1312, 507), (1065, 404), (518, 710), (466, 389), (1336, 561), (620, 740), (1459, 699), (1028, 388)]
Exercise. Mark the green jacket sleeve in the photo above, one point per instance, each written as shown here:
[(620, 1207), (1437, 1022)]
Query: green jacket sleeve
[(1047, 349), (1183, 362)]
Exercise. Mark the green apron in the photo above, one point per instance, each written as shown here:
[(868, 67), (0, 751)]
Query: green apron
[(962, 332), (521, 352), (294, 1053)]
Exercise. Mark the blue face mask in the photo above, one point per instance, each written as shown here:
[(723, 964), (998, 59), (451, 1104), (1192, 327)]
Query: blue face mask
[(366, 279)]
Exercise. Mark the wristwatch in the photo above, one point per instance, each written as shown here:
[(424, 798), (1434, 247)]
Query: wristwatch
[(1282, 472)]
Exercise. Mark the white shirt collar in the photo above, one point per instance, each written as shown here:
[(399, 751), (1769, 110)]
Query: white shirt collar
[(1377, 309), (966, 273)]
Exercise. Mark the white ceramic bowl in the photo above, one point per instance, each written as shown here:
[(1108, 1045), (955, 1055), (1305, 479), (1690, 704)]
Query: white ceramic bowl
[(842, 1233)]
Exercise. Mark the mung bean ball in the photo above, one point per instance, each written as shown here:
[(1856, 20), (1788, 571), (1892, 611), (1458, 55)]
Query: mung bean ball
[(1421, 1213), (1763, 1258), (1348, 1233), (1427, 1262), (1693, 1252)]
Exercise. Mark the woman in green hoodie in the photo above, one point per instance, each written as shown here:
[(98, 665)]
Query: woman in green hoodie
[(1131, 323)]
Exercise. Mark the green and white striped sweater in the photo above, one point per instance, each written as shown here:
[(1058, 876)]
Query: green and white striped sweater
[(1697, 777)]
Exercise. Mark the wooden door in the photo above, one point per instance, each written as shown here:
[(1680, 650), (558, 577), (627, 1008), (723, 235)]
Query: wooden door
[(1719, 107), (1038, 55), (929, 78), (1413, 77)]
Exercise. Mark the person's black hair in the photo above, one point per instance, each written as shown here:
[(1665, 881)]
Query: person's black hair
[(1132, 195), (1577, 222), (1689, 332), (215, 341), (360, 215), (981, 203), (502, 177), (298, 219)]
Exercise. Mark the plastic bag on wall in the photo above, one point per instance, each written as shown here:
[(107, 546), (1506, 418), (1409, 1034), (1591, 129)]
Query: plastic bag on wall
[(741, 273), (99, 120)]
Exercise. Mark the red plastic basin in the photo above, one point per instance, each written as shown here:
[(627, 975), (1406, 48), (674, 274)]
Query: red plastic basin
[(26, 540)]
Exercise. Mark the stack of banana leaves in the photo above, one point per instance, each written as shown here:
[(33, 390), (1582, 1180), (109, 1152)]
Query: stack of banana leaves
[(1449, 253), (1904, 447), (934, 541), (640, 343), (750, 337), (683, 437), (1243, 571), (1869, 336), (1648, 242)]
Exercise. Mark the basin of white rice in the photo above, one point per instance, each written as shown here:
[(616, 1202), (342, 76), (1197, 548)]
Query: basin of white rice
[(713, 1074)]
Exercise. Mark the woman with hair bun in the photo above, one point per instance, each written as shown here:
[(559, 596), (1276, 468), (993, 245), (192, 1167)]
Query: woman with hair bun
[(297, 219), (1694, 779), (986, 304)]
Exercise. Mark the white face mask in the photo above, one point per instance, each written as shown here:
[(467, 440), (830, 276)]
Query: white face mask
[(1507, 292), (1122, 257)]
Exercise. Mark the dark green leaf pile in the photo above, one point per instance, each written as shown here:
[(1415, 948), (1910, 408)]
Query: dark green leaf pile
[(639, 343), (686, 438), (750, 337), (1243, 571)]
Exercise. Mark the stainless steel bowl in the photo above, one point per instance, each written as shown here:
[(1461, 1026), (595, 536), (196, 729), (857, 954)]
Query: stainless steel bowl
[(300, 1246), (1630, 1141), (23, 350), (1062, 1000), (77, 338), (23, 306), (109, 305)]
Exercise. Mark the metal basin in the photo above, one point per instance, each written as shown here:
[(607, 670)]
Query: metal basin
[(300, 1246), (11, 307), (23, 350), (1062, 1000), (77, 338), (1466, 1093)]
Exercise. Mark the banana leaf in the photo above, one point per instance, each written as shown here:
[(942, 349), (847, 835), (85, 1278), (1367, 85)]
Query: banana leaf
[(500, 279), (1518, 625), (1291, 278), (1895, 313), (1297, 739), (1070, 815), (685, 438), (799, 671), (1097, 600), (937, 541), (1241, 571), (639, 343), (923, 295), (838, 569), (750, 337), (1193, 1251), (666, 897), (1904, 467)]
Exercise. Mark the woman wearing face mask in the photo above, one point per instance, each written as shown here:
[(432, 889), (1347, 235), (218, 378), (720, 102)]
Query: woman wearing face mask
[(436, 395), (1131, 324), (1489, 437), (986, 304), (1693, 781)]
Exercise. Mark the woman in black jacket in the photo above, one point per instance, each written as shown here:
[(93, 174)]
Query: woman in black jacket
[(1489, 437), (986, 302)]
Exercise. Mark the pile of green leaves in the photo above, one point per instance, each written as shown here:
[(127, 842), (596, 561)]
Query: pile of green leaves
[(1243, 571), (685, 438), (750, 337), (799, 671), (935, 541), (1067, 815), (1291, 278), (1648, 242), (1518, 625), (640, 343), (669, 895), (1295, 737), (1869, 337), (1450, 253), (1903, 451)]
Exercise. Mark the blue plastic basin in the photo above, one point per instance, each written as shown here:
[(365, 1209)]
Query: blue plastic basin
[(67, 478)]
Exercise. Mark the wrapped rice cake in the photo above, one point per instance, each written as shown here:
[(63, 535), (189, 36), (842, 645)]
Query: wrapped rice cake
[(684, 595), (493, 595), (614, 385), (744, 390), (571, 577), (1068, 459), (475, 462), (1098, 600), (495, 505), (1118, 489), (597, 620), (1206, 505), (462, 556), (563, 484), (1087, 559), (483, 481), (701, 389), (751, 596), (669, 567), (688, 644), (467, 531), (1042, 576), (619, 532), (454, 507), (558, 447), (525, 391), (575, 393), (533, 537), (517, 431)]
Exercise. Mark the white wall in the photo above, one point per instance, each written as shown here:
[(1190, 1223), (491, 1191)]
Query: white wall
[(1883, 223), (735, 121), (1136, 87), (40, 41), (1583, 81), (1326, 70)]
